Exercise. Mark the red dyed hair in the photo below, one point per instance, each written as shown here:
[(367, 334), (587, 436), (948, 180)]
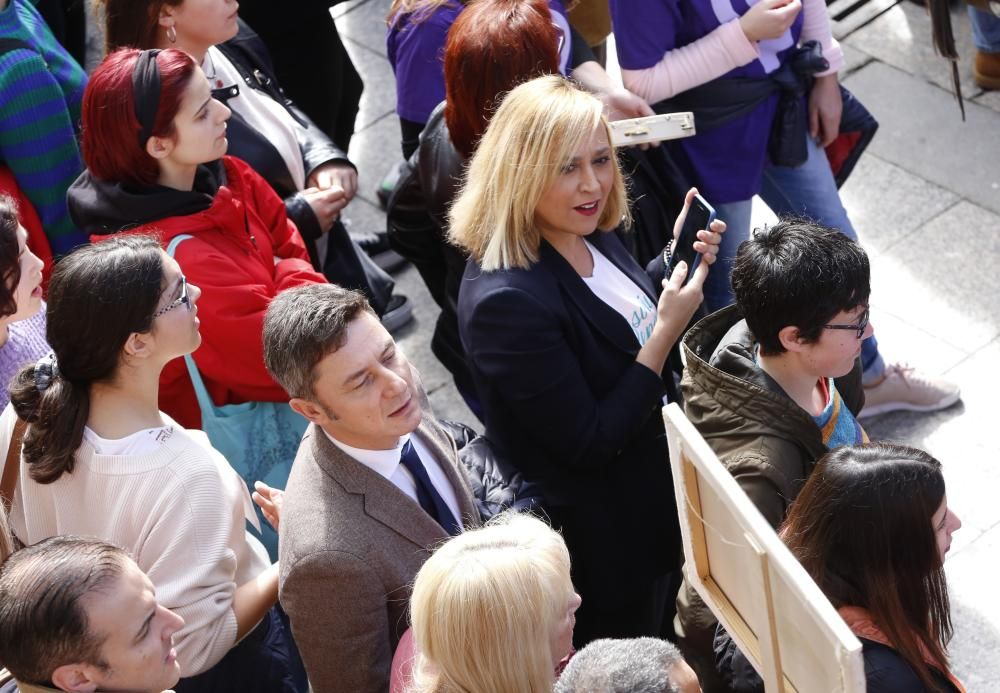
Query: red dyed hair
[(493, 46), (110, 130)]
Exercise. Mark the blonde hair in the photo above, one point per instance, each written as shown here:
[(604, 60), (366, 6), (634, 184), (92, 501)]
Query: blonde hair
[(423, 7), (484, 608), (538, 128)]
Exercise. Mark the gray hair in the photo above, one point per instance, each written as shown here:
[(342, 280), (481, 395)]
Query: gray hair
[(637, 665), (302, 326)]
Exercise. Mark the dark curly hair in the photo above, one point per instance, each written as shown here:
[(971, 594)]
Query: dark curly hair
[(10, 256)]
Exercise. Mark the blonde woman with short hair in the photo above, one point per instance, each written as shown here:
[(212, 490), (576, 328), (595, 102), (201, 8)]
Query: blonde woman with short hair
[(492, 610), (567, 339)]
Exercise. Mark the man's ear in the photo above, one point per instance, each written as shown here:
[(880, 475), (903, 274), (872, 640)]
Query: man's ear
[(159, 147), (312, 411), (139, 345), (75, 677), (791, 338)]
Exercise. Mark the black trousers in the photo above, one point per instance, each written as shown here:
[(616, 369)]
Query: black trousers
[(265, 661)]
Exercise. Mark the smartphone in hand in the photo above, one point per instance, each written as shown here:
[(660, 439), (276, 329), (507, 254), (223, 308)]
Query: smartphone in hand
[(700, 214)]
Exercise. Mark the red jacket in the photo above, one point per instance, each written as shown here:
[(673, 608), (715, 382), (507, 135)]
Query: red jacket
[(231, 257)]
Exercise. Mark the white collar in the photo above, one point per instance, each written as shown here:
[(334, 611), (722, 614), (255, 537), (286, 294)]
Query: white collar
[(382, 462)]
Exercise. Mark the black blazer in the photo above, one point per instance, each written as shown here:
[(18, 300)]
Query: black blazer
[(568, 406)]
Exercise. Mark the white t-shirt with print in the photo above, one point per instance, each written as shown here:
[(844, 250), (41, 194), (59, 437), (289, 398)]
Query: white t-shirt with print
[(613, 286)]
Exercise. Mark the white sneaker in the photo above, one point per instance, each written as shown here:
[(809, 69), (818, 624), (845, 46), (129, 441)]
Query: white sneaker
[(903, 387)]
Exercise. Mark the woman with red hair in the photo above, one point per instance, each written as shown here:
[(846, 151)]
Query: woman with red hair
[(415, 39), (503, 43), (154, 142), (269, 132)]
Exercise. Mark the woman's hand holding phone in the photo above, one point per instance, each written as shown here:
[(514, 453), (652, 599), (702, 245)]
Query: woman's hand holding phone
[(681, 295)]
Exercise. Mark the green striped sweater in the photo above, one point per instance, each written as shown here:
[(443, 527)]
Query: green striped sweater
[(40, 95)]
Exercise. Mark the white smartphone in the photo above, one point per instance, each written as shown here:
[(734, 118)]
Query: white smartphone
[(654, 128)]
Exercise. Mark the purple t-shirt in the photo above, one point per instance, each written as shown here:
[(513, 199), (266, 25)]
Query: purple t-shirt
[(726, 163), (415, 46)]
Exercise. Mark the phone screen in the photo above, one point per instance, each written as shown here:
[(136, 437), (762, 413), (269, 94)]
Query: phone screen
[(699, 216)]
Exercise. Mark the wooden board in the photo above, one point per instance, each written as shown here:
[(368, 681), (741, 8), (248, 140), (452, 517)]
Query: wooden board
[(775, 612)]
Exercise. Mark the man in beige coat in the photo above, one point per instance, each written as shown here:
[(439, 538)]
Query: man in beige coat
[(374, 488)]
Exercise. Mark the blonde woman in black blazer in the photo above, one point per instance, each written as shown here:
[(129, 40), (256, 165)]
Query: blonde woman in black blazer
[(567, 340)]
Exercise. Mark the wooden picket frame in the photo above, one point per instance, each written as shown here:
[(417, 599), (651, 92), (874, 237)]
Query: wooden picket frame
[(749, 579)]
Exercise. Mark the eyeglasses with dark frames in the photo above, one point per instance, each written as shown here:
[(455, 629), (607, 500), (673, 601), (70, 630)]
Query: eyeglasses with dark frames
[(859, 328), (181, 300)]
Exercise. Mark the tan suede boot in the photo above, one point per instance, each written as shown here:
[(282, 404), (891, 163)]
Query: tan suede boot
[(986, 70)]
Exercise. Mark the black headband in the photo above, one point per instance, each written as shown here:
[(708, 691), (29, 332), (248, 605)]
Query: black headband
[(146, 92)]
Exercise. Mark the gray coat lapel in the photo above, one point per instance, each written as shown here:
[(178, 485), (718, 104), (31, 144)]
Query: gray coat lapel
[(386, 503)]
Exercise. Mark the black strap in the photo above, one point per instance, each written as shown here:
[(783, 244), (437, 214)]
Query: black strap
[(10, 44)]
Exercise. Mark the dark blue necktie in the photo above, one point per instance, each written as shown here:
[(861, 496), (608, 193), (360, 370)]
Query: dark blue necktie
[(428, 497)]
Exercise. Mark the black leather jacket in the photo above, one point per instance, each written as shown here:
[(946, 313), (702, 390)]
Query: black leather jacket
[(250, 57), (417, 223)]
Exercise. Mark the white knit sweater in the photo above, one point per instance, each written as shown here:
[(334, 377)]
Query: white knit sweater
[(180, 511)]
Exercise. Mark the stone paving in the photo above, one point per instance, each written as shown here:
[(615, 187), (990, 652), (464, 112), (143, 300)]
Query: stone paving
[(925, 199)]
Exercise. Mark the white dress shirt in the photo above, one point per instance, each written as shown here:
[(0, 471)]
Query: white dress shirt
[(387, 464)]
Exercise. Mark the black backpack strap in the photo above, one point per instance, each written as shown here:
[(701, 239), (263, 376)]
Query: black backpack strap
[(10, 44)]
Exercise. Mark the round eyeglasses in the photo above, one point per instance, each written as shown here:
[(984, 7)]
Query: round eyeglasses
[(182, 300), (859, 328)]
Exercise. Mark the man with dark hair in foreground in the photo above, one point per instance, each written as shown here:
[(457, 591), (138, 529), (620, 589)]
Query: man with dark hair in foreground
[(79, 615), (375, 486)]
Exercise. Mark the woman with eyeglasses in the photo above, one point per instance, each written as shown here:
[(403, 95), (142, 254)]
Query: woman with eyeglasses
[(154, 141), (100, 459)]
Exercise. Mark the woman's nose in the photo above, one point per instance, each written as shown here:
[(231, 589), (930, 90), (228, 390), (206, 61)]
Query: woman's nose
[(588, 178)]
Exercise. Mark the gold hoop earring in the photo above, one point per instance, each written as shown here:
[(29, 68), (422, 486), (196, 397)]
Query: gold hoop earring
[(171, 34)]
